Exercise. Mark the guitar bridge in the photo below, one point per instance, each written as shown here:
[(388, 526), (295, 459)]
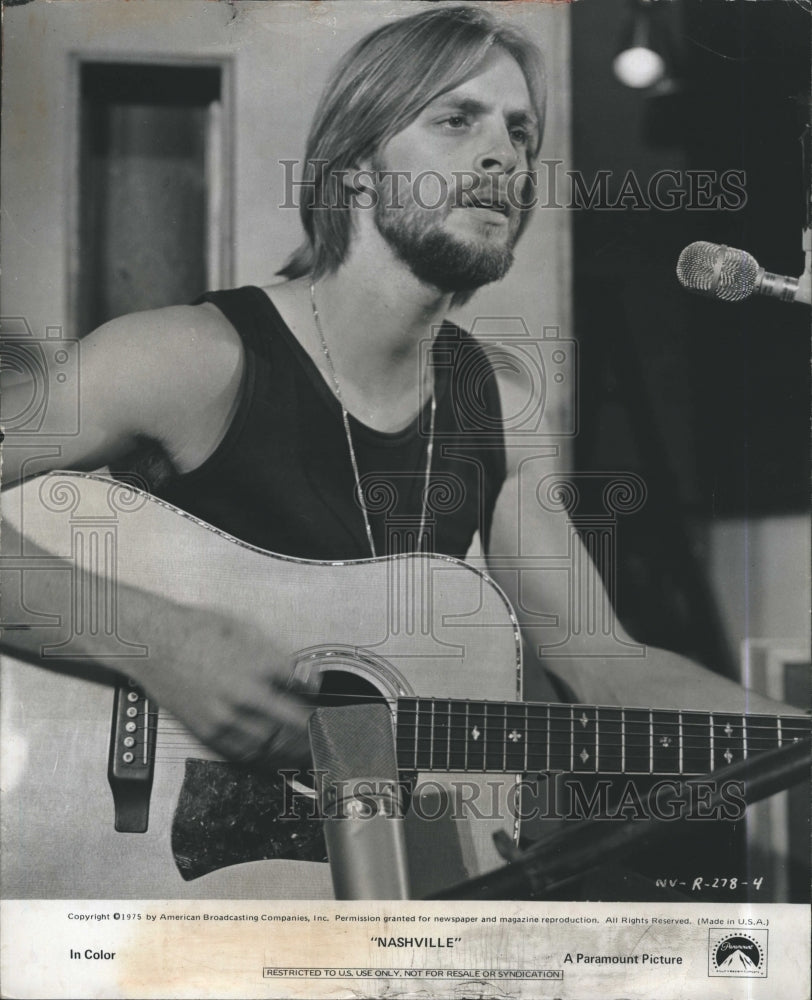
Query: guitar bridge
[(131, 761)]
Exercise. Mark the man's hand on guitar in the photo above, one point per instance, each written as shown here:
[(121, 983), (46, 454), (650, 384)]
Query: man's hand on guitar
[(215, 673), (222, 680)]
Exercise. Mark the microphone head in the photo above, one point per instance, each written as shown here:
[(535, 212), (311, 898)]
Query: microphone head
[(354, 741), (719, 272)]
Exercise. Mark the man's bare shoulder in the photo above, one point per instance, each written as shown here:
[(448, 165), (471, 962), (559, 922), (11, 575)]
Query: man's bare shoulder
[(172, 374), (166, 376), (198, 339)]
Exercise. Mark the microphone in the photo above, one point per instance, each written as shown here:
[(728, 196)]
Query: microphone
[(733, 275), (356, 769)]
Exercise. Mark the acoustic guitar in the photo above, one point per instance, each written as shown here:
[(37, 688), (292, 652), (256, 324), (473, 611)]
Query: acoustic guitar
[(106, 795)]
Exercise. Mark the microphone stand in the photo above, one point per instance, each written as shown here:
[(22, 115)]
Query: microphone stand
[(563, 856)]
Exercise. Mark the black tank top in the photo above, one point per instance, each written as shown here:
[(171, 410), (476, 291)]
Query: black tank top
[(282, 479)]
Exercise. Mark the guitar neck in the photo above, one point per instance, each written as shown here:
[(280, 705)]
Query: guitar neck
[(513, 737)]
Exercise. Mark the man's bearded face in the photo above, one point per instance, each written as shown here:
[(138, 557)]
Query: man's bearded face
[(446, 200), (436, 255)]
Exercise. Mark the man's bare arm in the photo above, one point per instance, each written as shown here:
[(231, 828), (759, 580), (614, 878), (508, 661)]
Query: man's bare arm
[(215, 673)]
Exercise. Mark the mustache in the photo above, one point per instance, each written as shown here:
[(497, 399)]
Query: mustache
[(496, 201), (433, 191)]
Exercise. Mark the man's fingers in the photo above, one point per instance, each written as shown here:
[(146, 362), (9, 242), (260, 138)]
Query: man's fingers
[(284, 740), (284, 747)]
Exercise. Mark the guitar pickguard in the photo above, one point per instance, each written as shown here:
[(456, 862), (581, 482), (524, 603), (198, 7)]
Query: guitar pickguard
[(228, 814)]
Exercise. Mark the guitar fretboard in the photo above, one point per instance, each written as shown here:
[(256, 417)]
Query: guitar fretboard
[(443, 735)]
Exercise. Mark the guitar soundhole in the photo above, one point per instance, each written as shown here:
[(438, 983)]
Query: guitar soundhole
[(340, 687)]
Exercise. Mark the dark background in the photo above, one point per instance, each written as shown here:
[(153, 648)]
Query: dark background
[(707, 401)]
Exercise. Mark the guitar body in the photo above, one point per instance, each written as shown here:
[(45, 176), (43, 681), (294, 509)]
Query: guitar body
[(401, 626)]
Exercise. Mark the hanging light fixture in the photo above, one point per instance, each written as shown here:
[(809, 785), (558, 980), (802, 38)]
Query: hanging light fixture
[(641, 59)]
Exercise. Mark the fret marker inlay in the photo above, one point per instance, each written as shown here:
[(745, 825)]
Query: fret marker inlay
[(516, 738)]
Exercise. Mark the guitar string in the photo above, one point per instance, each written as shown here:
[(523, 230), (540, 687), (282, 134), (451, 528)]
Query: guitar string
[(510, 770), (558, 745), (752, 723), (632, 741), (461, 740), (696, 767), (166, 748), (643, 733), (182, 738), (635, 741), (796, 724), (191, 741)]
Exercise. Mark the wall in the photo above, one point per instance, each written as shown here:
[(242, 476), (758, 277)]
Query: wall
[(281, 55), (760, 574)]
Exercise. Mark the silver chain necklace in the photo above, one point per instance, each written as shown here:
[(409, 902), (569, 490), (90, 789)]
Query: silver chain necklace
[(347, 432)]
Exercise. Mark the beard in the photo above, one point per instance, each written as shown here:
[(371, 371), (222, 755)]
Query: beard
[(437, 257)]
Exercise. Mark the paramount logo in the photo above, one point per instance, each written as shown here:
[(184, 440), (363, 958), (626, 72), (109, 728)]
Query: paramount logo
[(737, 953), (738, 962)]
